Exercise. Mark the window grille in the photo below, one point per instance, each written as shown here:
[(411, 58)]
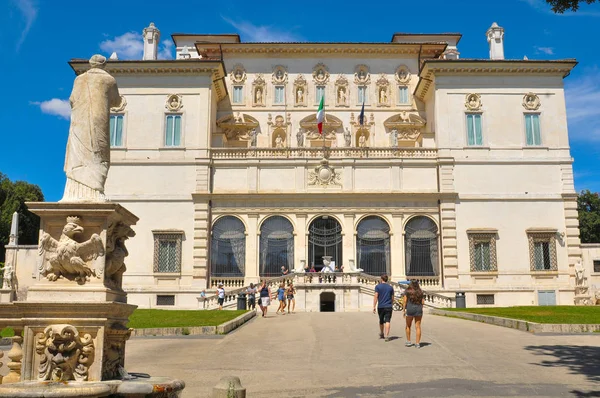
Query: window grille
[(165, 300), (228, 247), (482, 251), (403, 97), (324, 239), (474, 132), (532, 129), (596, 265), (276, 246), (542, 251), (116, 130), (485, 299), (373, 246), (167, 251), (173, 130), (421, 245)]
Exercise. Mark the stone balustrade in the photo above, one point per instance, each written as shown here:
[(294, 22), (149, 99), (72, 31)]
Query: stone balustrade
[(332, 153), (227, 282)]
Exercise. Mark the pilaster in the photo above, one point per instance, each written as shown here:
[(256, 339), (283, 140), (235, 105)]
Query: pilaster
[(300, 240), (398, 270), (201, 244), (571, 237), (448, 243), (252, 242), (349, 239)]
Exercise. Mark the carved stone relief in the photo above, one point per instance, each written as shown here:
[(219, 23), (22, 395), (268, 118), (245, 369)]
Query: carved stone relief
[(531, 102), (405, 129), (114, 351), (174, 103), (402, 74), (383, 91), (324, 175), (279, 75), (64, 354), (320, 74), (238, 127), (362, 75), (473, 102), (258, 91), (69, 257), (330, 126), (278, 130), (121, 106), (361, 133), (300, 92), (116, 252), (238, 74), (342, 91)]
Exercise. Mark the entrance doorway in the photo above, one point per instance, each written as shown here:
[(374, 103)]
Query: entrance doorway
[(327, 302), (324, 240)]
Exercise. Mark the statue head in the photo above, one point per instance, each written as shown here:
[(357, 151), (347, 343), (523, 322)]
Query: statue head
[(98, 61)]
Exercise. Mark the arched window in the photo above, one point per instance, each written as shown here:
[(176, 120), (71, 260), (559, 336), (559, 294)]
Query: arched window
[(228, 247), (276, 246), (324, 242), (373, 246), (421, 246)]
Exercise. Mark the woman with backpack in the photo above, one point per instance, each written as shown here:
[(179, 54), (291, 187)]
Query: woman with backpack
[(413, 309)]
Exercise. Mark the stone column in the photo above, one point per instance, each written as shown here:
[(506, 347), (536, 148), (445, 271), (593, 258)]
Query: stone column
[(252, 250), (300, 241), (349, 250), (397, 248)]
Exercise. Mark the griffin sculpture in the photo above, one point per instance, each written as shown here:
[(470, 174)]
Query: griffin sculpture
[(67, 257)]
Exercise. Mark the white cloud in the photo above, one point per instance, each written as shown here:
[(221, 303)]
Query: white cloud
[(255, 33), (130, 45), (29, 10), (583, 96), (55, 106), (545, 50)]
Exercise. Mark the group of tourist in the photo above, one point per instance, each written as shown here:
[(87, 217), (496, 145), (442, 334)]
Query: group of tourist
[(264, 298), (413, 301)]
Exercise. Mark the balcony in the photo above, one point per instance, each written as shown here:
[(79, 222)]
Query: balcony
[(318, 153)]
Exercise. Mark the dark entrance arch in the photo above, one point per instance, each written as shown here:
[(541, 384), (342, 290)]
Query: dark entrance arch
[(324, 239), (327, 302)]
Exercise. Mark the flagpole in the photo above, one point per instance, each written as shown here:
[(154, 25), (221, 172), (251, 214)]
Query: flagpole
[(323, 131)]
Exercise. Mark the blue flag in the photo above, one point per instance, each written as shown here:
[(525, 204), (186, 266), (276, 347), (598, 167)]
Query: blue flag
[(361, 117)]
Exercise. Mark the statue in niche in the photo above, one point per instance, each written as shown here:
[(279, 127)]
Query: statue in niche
[(300, 95), (258, 96), (348, 137), (362, 141), (279, 75), (382, 96), (342, 96), (278, 142), (300, 138), (253, 137), (394, 137), (174, 102), (87, 157), (579, 274)]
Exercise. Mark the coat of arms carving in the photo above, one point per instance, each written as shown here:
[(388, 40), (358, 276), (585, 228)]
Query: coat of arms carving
[(324, 175)]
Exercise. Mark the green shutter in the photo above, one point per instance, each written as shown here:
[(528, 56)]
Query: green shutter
[(537, 139), (478, 132), (529, 129), (119, 131), (177, 131), (169, 131), (470, 130)]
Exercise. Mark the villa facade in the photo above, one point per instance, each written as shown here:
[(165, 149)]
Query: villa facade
[(457, 173)]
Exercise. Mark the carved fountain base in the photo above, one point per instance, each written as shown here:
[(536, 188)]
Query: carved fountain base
[(74, 320)]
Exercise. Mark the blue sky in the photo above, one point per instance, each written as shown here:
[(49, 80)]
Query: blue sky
[(39, 37)]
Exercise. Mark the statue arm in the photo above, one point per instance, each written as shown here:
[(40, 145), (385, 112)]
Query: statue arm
[(114, 98)]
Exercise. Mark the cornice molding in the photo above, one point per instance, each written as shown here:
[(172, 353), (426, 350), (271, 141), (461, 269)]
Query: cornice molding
[(427, 50)]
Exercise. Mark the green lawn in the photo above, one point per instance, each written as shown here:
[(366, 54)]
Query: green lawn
[(143, 319), (550, 314)]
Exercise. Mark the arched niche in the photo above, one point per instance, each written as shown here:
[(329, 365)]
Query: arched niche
[(331, 125)]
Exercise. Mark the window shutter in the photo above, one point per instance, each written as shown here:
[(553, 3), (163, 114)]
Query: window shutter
[(169, 131), (536, 129), (177, 131), (119, 131), (478, 133), (529, 129), (470, 130)]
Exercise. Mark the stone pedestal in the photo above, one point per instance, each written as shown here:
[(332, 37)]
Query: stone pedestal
[(582, 296)]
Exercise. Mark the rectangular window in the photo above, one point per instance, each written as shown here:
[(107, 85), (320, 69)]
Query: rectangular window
[(474, 134), (546, 297), (596, 265), (279, 95), (320, 93), (167, 251), (116, 130), (485, 299), (403, 95), (173, 130), (238, 96), (541, 253), (542, 250), (532, 129), (362, 95), (482, 250), (482, 256), (165, 300)]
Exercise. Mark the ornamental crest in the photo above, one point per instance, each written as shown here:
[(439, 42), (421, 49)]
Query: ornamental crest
[(402, 74), (279, 75), (320, 74), (362, 75), (324, 175), (473, 102), (531, 102), (121, 106), (174, 103), (238, 74)]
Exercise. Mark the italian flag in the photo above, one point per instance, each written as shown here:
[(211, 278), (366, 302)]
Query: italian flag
[(321, 115)]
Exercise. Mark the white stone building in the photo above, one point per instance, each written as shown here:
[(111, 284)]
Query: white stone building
[(460, 174)]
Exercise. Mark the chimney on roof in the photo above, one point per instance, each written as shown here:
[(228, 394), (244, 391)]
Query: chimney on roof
[(495, 37), (151, 39)]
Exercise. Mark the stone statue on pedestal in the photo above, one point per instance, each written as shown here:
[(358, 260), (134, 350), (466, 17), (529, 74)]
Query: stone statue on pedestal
[(300, 138), (88, 148), (348, 137)]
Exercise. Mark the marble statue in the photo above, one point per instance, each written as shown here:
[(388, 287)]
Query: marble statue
[(88, 148), (300, 138), (362, 141), (342, 96), (253, 137), (394, 137), (259, 96), (382, 96), (300, 96), (278, 142), (348, 137), (579, 274), (9, 272)]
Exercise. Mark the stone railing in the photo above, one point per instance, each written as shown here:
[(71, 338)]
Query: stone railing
[(332, 153), (212, 302), (228, 282), (427, 281)]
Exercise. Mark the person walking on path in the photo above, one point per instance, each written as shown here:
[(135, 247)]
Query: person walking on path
[(281, 298), (290, 298), (413, 309), (251, 292), (382, 301), (220, 295), (265, 298)]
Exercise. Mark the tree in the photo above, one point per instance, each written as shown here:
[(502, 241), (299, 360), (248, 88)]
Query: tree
[(560, 6), (13, 196), (588, 207)]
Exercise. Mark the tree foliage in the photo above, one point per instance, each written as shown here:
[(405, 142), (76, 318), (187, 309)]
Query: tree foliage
[(588, 206), (560, 6), (13, 196)]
